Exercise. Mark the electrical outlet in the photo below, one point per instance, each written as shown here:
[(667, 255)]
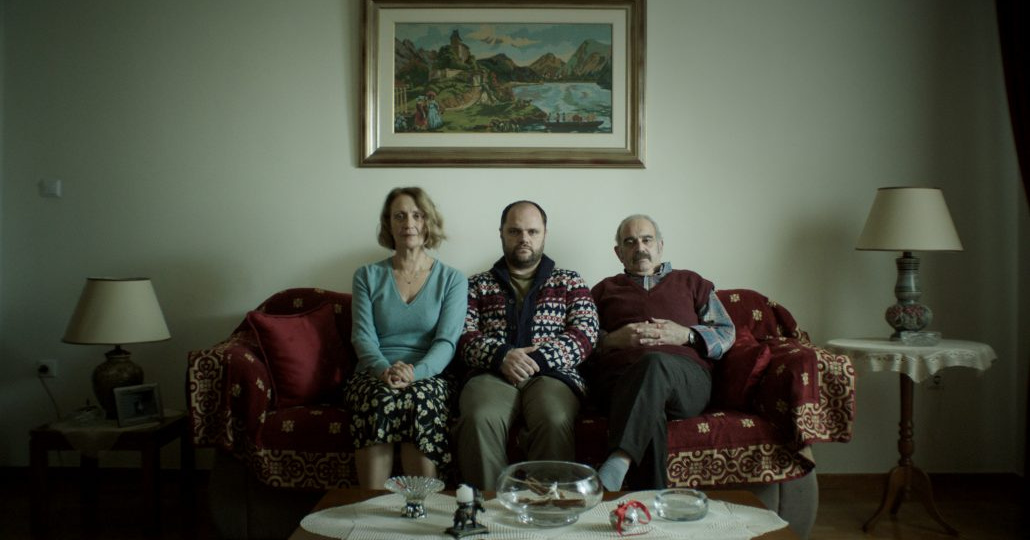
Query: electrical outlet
[(46, 369)]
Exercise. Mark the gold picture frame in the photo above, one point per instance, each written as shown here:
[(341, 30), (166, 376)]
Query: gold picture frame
[(494, 83)]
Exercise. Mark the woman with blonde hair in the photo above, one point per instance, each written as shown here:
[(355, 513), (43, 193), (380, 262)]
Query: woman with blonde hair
[(408, 311)]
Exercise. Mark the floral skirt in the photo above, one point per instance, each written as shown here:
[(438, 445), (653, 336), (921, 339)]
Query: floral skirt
[(417, 414)]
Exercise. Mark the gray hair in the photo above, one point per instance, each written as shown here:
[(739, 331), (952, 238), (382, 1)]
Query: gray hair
[(618, 232)]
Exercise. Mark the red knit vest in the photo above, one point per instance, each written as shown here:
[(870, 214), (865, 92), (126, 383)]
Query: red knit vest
[(621, 301)]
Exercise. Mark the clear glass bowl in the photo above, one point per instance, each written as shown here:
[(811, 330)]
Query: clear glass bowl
[(415, 490), (549, 493), (681, 504)]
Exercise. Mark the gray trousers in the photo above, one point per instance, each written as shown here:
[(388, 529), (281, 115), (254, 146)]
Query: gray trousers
[(643, 397), (490, 405)]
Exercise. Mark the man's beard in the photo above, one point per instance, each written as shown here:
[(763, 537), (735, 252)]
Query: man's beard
[(515, 260)]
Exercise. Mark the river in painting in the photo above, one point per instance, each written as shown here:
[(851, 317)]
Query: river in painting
[(570, 107)]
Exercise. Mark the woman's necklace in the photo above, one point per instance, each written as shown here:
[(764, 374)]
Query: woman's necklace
[(410, 277)]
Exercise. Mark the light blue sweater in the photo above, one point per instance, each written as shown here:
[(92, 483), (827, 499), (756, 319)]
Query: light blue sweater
[(423, 333)]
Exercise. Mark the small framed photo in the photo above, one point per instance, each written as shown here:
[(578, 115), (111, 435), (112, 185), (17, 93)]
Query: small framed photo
[(138, 404)]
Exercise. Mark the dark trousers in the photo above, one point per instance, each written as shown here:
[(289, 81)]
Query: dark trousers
[(643, 397)]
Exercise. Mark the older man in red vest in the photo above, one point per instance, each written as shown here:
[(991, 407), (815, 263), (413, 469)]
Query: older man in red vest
[(661, 331)]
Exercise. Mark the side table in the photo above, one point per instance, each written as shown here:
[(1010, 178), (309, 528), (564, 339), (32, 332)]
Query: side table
[(914, 364), (148, 439)]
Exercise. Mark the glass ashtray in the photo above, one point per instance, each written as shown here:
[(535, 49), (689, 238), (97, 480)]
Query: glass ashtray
[(681, 504), (920, 339)]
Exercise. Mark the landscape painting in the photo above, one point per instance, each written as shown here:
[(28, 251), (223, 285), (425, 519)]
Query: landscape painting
[(495, 83), (503, 78)]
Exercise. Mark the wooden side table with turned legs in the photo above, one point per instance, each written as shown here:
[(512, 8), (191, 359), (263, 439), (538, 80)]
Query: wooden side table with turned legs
[(914, 364)]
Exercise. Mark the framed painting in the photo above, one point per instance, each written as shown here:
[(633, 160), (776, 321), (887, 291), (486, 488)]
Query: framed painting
[(494, 83)]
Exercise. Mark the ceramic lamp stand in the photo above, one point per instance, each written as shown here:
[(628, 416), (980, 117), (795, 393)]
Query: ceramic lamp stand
[(117, 371), (907, 314)]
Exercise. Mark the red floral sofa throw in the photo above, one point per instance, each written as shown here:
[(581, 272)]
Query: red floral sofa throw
[(773, 395), (270, 394)]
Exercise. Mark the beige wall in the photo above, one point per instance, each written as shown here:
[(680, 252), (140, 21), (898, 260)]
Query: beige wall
[(212, 146)]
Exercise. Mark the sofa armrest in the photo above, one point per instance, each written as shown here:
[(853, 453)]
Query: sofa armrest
[(229, 392), (808, 391)]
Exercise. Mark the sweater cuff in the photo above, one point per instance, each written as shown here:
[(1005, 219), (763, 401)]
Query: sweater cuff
[(540, 359), (499, 354)]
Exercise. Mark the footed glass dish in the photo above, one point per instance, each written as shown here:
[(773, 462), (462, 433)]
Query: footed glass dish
[(415, 490), (549, 493)]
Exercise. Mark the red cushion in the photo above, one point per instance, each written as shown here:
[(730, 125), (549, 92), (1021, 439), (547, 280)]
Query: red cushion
[(304, 352), (737, 373)]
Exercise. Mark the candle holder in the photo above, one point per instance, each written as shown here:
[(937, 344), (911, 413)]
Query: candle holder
[(415, 490), (470, 503)]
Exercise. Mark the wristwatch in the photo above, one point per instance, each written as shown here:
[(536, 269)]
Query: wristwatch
[(691, 336)]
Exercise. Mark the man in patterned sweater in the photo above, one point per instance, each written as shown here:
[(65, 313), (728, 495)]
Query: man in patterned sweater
[(529, 324), (662, 328)]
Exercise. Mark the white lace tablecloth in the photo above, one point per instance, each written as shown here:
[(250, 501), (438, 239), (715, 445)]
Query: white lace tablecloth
[(92, 437), (919, 363), (379, 519)]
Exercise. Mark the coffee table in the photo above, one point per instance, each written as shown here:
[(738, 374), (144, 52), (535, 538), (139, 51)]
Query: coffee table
[(340, 497)]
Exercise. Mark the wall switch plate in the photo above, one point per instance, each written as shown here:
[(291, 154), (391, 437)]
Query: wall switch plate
[(49, 187), (46, 369)]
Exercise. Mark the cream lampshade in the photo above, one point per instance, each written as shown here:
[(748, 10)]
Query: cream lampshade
[(908, 219), (116, 311)]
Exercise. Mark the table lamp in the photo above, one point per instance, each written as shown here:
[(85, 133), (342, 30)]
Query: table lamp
[(908, 219), (116, 311)]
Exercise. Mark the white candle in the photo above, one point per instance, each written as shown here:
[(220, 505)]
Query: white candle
[(464, 494)]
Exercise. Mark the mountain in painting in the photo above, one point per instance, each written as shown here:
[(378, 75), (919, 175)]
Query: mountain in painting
[(549, 67), (410, 63), (507, 70), (589, 61)]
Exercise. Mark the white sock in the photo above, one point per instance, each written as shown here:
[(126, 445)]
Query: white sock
[(613, 472)]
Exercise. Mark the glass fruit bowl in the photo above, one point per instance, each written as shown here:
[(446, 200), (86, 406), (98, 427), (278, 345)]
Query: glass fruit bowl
[(549, 493), (415, 490)]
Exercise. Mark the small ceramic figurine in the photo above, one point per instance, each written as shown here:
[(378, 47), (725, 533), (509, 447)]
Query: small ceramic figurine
[(629, 518), (470, 503)]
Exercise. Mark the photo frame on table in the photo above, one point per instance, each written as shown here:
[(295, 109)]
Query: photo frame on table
[(138, 404), (494, 83)]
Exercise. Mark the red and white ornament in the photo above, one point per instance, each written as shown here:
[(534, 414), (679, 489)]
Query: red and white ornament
[(629, 518)]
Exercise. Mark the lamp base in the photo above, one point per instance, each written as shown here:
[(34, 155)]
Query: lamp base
[(117, 371), (911, 317), (907, 315)]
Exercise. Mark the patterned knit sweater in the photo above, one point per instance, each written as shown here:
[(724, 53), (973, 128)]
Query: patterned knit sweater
[(558, 316)]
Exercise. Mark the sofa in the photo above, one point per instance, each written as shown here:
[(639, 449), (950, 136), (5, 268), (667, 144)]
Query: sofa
[(268, 399)]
